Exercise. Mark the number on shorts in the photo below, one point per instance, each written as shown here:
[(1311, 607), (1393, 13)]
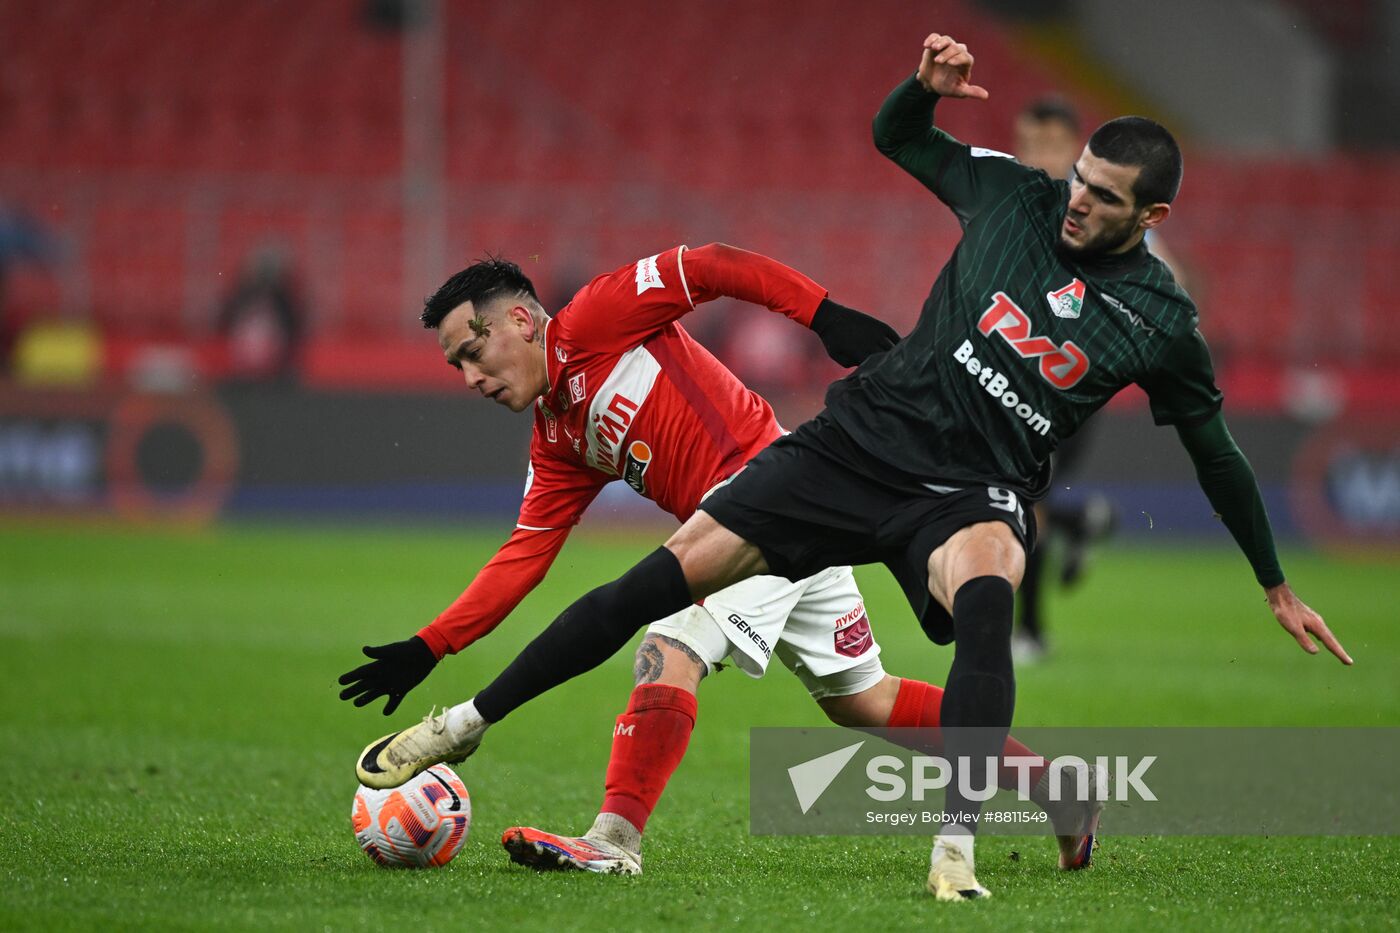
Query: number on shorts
[(1003, 499)]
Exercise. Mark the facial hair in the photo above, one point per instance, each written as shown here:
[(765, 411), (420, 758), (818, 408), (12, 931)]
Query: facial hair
[(1108, 239)]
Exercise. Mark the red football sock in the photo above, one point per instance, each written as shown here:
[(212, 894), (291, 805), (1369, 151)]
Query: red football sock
[(649, 742), (917, 706)]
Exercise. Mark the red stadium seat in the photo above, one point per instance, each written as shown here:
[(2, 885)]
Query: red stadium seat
[(174, 140)]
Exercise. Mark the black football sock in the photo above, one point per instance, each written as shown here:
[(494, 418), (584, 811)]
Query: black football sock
[(589, 632), (980, 695)]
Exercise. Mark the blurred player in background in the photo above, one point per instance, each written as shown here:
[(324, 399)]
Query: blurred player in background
[(1050, 304), (264, 319), (1047, 137), (22, 239), (619, 390)]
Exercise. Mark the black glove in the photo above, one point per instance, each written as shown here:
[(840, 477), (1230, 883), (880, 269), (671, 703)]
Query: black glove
[(396, 669), (850, 336)]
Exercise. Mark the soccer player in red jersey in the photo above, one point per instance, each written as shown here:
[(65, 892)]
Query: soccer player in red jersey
[(619, 390)]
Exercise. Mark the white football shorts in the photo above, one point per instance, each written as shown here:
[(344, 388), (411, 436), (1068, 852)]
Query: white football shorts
[(817, 626)]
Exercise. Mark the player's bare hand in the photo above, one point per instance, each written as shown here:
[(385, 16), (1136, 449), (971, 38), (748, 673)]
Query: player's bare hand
[(946, 68), (1300, 621)]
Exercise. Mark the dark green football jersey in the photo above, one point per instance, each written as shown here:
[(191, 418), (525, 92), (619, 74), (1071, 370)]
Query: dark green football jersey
[(1017, 343)]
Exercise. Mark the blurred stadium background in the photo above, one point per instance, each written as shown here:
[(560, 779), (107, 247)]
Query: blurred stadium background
[(219, 220)]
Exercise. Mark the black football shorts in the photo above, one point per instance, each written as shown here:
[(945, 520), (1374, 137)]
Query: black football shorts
[(814, 499)]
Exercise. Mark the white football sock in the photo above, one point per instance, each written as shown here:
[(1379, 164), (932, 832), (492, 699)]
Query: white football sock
[(617, 830), (954, 835), (465, 723)]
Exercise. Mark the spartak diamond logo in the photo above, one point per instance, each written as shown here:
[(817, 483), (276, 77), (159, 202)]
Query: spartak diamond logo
[(1067, 302)]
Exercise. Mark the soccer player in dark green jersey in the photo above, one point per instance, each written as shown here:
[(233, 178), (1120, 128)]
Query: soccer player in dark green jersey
[(926, 455)]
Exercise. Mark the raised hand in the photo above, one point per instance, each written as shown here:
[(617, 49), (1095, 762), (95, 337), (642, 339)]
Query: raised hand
[(946, 68)]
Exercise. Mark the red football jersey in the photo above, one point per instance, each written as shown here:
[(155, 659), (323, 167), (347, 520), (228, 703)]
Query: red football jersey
[(632, 397)]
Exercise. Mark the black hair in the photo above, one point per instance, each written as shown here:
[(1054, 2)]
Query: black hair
[(1148, 145), (1052, 108), (480, 283)]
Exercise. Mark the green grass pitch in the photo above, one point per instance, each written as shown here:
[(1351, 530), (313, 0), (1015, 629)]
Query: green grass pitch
[(176, 757)]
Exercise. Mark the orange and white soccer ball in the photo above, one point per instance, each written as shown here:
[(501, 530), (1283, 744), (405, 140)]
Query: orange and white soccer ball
[(419, 824)]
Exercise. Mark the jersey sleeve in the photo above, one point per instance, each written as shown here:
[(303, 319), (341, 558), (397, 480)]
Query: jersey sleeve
[(1229, 483), (966, 179), (1182, 389), (517, 567), (619, 311), (718, 270), (557, 493)]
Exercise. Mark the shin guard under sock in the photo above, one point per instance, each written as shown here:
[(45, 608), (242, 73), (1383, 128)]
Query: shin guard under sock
[(918, 705), (980, 696), (649, 742)]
